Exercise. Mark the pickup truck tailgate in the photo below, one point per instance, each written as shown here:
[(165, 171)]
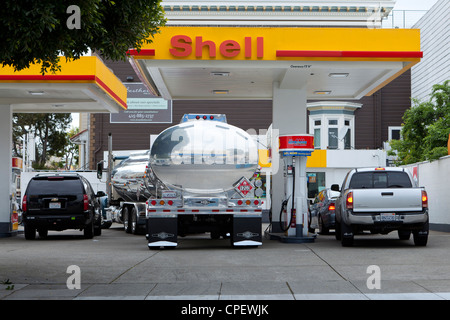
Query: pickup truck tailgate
[(387, 200)]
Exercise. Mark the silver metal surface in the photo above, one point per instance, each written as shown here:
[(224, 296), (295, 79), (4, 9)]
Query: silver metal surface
[(130, 178), (203, 156)]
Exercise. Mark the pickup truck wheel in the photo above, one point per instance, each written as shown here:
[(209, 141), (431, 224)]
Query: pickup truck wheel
[(347, 236), (421, 236)]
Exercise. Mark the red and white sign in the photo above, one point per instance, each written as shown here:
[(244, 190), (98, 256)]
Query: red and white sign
[(244, 186), (300, 142)]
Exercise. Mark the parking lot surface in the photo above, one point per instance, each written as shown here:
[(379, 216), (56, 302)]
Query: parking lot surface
[(117, 265)]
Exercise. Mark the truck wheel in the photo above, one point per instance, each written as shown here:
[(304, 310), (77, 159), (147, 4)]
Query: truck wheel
[(88, 230), (30, 233), (133, 221), (347, 235), (126, 220), (421, 236)]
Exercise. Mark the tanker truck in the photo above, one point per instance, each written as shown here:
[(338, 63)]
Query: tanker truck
[(196, 178), (127, 188), (202, 170)]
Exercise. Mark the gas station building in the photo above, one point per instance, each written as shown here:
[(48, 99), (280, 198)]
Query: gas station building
[(324, 68)]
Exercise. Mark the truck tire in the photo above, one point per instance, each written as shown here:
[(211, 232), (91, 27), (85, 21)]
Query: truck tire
[(30, 233), (421, 236), (347, 235), (133, 221), (126, 219), (88, 230)]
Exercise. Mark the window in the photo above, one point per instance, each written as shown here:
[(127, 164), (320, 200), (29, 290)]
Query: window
[(316, 138), (347, 140), (333, 138), (363, 180), (333, 124), (394, 133)]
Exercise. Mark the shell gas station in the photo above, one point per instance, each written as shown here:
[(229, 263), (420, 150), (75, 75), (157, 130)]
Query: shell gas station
[(285, 64)]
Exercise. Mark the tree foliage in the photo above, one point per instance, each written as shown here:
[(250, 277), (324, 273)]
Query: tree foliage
[(426, 128), (37, 31), (49, 130)]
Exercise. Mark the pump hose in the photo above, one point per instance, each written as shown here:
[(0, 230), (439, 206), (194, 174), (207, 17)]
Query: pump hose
[(284, 204)]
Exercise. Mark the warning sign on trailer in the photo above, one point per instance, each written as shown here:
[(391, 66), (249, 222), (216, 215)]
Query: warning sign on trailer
[(244, 186)]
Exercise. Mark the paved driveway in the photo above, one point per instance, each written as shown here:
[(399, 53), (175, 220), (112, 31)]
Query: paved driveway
[(117, 265)]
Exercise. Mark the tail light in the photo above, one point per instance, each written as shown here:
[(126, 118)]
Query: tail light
[(85, 202), (424, 199), (349, 201), (331, 207), (24, 203)]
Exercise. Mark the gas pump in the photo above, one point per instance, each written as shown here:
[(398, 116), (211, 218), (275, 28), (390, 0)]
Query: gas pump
[(294, 150)]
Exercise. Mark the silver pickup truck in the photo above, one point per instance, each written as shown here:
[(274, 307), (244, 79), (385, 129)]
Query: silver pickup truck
[(381, 200)]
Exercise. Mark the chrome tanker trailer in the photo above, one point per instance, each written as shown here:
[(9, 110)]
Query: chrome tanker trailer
[(196, 178), (128, 186), (202, 169)]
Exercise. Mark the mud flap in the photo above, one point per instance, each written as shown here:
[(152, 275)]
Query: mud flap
[(247, 231), (162, 232)]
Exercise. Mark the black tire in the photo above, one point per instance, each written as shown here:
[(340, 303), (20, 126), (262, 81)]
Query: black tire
[(30, 232), (347, 236), (322, 228), (421, 236), (88, 230)]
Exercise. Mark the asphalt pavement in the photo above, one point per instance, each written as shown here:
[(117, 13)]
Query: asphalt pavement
[(119, 266)]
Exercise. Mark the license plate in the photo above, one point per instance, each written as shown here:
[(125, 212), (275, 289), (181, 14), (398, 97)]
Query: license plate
[(54, 205), (390, 216)]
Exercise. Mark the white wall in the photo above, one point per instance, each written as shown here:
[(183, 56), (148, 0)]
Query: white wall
[(434, 176), (435, 44)]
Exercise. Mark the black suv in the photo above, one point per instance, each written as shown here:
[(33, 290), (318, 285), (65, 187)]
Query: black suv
[(59, 202)]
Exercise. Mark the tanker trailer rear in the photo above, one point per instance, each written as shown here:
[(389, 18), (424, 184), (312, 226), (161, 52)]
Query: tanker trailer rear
[(203, 167)]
